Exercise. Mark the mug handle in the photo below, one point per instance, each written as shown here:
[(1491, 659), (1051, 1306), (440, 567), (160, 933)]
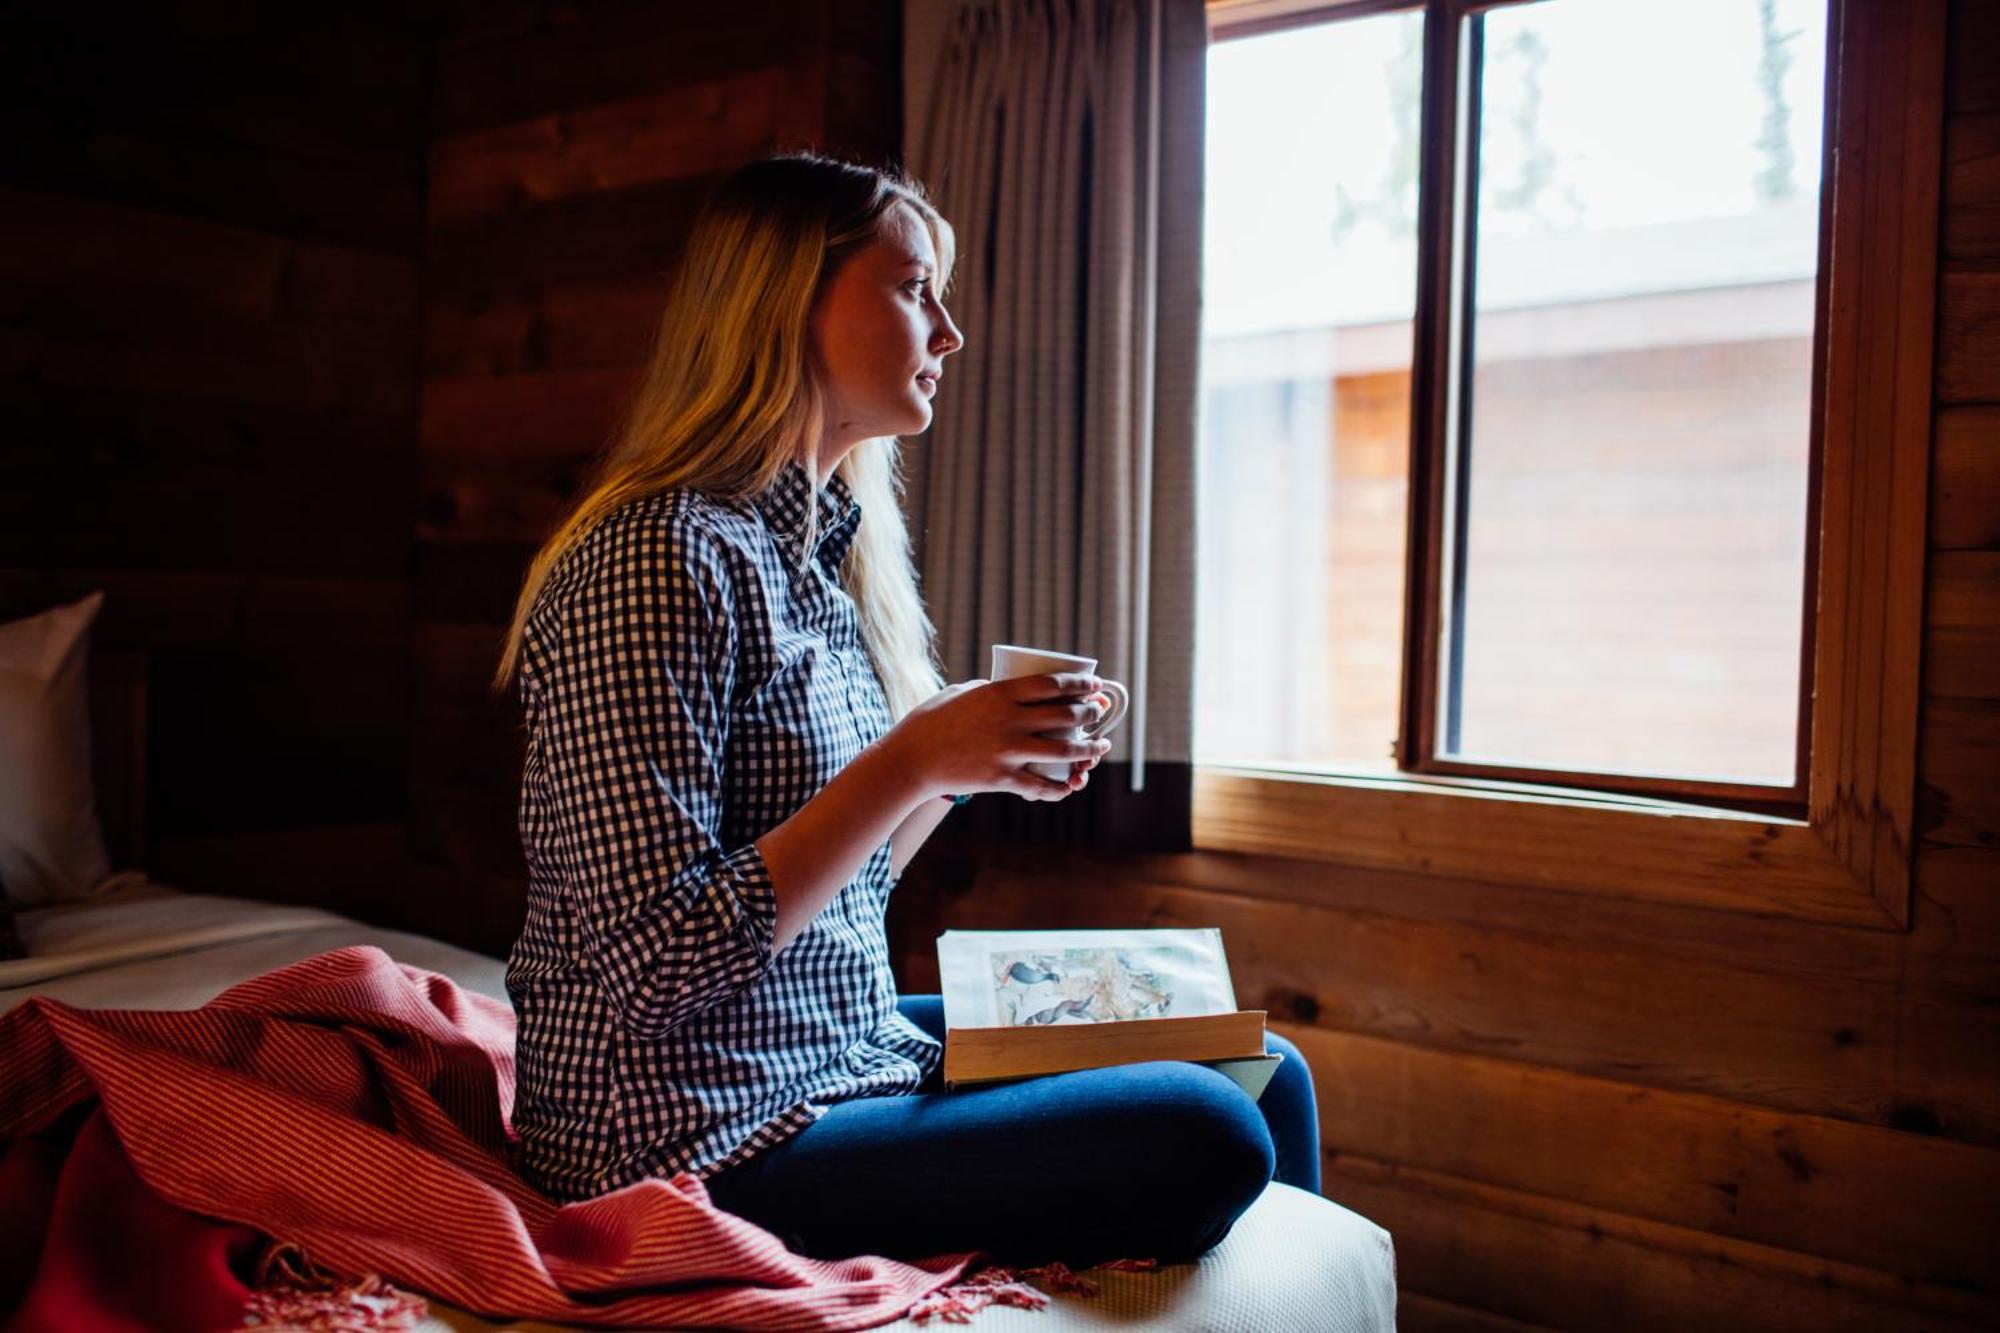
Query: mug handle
[(1121, 703)]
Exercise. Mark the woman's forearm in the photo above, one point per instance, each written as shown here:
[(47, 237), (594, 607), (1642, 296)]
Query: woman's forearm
[(812, 855), (913, 833)]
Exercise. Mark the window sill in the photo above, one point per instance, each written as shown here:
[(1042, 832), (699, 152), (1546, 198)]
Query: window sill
[(1541, 837)]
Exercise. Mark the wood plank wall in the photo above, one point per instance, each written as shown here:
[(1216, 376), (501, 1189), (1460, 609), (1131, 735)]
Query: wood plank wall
[(1581, 1113), (1572, 1112), (569, 147), (212, 222)]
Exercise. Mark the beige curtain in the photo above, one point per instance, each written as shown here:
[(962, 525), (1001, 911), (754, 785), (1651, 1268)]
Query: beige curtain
[(1052, 502)]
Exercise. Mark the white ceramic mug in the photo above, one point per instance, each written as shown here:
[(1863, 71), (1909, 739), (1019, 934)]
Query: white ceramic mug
[(1011, 660)]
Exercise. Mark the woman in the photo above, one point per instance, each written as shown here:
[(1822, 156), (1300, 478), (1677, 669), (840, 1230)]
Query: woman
[(736, 742)]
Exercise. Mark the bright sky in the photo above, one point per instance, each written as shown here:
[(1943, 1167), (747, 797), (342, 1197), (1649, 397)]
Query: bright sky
[(1650, 115)]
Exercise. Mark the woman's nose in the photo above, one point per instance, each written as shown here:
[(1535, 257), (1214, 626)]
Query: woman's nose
[(947, 339)]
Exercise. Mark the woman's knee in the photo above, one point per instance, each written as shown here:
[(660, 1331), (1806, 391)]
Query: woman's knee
[(1210, 1154), (1231, 1124), (1157, 1161)]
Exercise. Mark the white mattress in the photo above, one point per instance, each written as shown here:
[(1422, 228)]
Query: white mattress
[(141, 945), (1294, 1261)]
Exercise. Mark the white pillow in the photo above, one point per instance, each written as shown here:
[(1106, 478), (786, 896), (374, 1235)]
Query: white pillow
[(51, 845)]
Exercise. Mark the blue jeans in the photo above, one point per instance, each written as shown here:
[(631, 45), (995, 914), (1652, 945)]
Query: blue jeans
[(1153, 1160)]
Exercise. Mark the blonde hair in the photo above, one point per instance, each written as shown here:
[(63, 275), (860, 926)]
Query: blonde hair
[(730, 395)]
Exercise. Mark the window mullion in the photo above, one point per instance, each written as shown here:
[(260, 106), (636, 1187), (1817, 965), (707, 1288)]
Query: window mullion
[(1431, 359), (1458, 382)]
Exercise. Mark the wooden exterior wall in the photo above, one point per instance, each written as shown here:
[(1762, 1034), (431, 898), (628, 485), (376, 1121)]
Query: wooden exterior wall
[(569, 146), (1577, 1112), (212, 220)]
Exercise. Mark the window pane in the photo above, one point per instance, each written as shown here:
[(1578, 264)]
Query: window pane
[(1309, 284), (1634, 467)]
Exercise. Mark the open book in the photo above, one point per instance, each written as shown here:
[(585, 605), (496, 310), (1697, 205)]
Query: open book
[(1024, 1002)]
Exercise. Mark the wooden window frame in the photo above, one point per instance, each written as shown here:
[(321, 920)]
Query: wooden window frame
[(1844, 855)]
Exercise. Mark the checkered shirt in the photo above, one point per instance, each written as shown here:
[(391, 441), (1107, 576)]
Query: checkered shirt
[(690, 676)]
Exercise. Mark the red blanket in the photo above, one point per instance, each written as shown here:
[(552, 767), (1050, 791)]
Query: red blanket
[(357, 1109)]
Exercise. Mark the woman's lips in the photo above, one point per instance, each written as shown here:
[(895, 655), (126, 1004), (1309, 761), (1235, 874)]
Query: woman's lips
[(929, 382)]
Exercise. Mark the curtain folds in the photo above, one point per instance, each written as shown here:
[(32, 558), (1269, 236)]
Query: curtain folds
[(1052, 503)]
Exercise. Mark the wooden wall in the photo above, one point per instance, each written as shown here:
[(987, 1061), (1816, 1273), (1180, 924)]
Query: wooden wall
[(569, 146), (212, 217), (1574, 1112), (306, 433)]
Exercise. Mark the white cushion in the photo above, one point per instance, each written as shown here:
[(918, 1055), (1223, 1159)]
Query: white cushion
[(1293, 1261), (51, 845)]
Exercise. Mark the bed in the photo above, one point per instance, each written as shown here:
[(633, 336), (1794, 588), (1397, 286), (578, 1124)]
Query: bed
[(1294, 1261)]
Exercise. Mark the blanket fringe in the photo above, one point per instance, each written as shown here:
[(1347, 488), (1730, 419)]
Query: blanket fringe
[(296, 1295), (957, 1303)]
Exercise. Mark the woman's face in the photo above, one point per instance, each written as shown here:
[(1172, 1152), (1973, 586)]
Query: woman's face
[(880, 336)]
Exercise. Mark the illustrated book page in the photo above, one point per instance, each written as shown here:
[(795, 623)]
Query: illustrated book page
[(1036, 978)]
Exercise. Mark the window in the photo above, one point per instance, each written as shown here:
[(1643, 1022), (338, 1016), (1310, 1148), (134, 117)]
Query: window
[(1309, 289), (1549, 521)]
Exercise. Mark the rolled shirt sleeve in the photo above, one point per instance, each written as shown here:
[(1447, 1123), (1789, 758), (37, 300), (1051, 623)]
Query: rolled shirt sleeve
[(671, 921)]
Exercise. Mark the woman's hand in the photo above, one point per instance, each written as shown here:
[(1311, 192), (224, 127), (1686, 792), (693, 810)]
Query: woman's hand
[(980, 735), (1079, 773)]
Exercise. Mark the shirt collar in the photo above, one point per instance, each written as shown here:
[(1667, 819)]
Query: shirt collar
[(792, 496)]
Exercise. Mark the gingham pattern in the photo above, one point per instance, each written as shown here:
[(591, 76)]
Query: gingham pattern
[(691, 676)]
